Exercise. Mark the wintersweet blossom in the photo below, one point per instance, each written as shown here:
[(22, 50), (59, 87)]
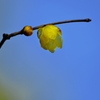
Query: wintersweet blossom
[(50, 37)]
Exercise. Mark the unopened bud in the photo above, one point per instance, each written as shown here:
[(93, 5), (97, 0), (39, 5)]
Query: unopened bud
[(27, 30)]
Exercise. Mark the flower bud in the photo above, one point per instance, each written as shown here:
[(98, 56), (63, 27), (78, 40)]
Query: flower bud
[(27, 30)]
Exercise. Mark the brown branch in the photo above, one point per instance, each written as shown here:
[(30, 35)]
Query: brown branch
[(8, 36), (68, 21)]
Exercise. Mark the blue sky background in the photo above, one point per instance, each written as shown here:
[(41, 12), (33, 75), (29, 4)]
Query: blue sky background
[(71, 73)]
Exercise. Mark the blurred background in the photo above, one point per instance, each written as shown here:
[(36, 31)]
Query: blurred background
[(28, 72)]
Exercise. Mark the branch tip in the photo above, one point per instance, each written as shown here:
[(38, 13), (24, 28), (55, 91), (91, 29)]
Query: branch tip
[(88, 20)]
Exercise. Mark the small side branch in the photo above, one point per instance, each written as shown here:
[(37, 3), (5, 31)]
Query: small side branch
[(62, 22), (8, 36)]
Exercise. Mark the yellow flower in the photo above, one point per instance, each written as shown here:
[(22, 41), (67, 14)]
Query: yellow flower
[(50, 37)]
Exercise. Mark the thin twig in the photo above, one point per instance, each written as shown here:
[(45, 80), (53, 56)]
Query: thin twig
[(8, 36), (68, 21)]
